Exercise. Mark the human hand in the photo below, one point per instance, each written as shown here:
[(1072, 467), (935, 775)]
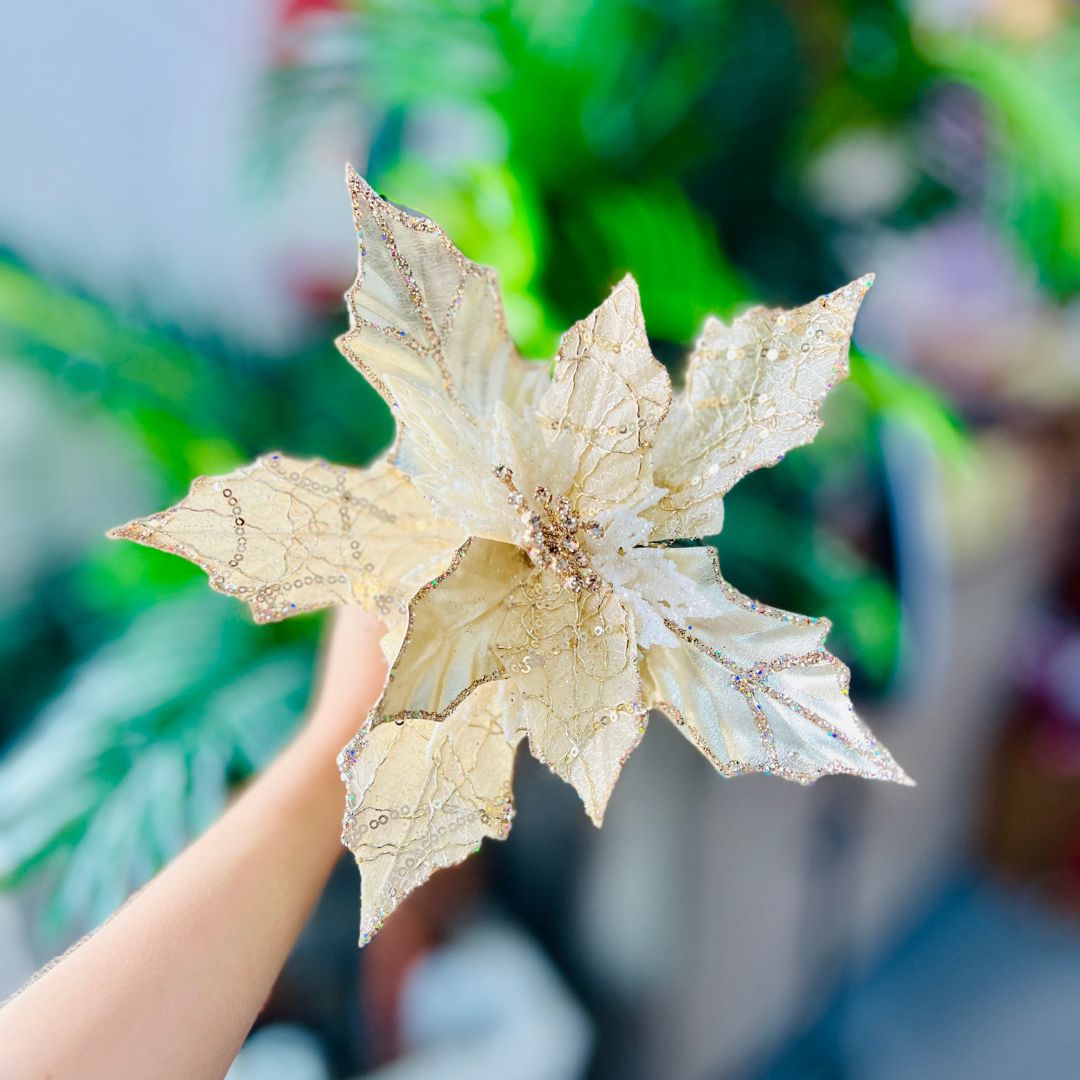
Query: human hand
[(352, 672)]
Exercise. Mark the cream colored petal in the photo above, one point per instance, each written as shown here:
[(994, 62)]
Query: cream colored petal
[(452, 463), (421, 795), (390, 642), (287, 536), (572, 660), (533, 459), (421, 311), (610, 394), (526, 384), (753, 391), (652, 586), (453, 622), (755, 690)]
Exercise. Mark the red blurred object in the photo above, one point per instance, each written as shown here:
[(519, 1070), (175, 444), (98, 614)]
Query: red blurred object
[(294, 11), (291, 29)]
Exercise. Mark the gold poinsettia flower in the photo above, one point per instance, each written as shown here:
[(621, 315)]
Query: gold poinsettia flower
[(539, 509)]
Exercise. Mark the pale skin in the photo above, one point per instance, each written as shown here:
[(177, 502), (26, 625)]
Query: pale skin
[(171, 985)]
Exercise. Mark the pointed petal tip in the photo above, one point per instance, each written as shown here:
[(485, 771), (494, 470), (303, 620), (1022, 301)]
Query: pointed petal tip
[(368, 929), (623, 302), (857, 287), (354, 180), (626, 284), (361, 194), (856, 290), (892, 772), (594, 801), (903, 779), (138, 530), (860, 287)]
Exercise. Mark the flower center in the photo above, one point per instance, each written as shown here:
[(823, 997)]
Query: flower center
[(552, 534)]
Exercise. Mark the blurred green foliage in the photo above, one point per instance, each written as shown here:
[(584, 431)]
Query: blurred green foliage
[(137, 751), (563, 142)]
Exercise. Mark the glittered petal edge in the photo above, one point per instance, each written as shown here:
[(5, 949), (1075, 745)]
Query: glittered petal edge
[(289, 535), (421, 796), (579, 692), (771, 709), (485, 572)]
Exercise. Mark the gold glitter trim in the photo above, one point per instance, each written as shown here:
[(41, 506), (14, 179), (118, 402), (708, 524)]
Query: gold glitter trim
[(422, 796), (751, 681), (485, 572)]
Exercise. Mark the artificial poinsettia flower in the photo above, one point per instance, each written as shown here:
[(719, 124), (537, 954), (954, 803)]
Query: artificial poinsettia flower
[(540, 509), (565, 612)]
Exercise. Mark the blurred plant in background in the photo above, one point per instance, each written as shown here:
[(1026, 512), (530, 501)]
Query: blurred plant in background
[(723, 152)]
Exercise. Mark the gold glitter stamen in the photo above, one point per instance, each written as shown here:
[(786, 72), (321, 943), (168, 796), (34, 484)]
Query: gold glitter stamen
[(551, 536)]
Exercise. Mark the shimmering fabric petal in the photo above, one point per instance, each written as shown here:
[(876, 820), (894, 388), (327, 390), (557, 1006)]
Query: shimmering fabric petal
[(755, 690), (652, 586), (753, 391), (572, 662), (423, 312), (286, 536), (421, 795), (466, 493), (454, 621), (610, 394)]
